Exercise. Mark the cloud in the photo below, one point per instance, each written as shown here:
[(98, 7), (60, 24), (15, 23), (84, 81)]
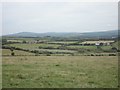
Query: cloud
[(59, 17)]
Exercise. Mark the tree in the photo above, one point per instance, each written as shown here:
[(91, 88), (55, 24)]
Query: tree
[(12, 53), (101, 44), (24, 41), (4, 41), (11, 49), (114, 49)]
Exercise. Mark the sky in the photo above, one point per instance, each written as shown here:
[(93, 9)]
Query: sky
[(43, 17)]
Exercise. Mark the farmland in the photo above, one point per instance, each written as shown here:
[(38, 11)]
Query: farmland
[(46, 46), (51, 63)]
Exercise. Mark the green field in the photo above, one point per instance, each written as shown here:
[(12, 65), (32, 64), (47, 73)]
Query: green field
[(71, 49), (58, 64), (98, 41), (82, 47), (60, 71), (33, 46), (7, 52)]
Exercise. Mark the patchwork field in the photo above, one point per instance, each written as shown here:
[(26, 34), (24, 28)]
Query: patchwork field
[(50, 48), (50, 63), (60, 71)]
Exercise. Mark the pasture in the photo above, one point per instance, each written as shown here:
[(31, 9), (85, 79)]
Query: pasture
[(7, 52), (33, 46), (101, 41), (47, 63), (60, 72), (63, 49)]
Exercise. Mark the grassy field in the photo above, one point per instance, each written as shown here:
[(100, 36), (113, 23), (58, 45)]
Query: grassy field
[(59, 48), (105, 41), (17, 52), (58, 64), (60, 71), (33, 46), (82, 47), (62, 42)]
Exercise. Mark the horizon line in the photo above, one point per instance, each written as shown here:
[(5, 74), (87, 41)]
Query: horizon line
[(57, 32)]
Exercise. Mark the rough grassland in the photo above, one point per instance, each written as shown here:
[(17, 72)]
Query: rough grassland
[(67, 71)]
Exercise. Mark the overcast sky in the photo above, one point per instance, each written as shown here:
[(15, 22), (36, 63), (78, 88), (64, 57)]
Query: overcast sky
[(59, 17)]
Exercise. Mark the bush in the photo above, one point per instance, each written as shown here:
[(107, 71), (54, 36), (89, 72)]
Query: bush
[(12, 53), (92, 54), (112, 54), (118, 50), (48, 55), (72, 54), (24, 41)]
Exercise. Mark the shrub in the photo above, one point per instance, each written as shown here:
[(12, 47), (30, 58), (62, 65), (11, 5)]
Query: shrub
[(20, 76), (72, 54), (4, 41), (114, 48), (112, 54), (12, 53), (24, 41), (92, 54), (48, 55)]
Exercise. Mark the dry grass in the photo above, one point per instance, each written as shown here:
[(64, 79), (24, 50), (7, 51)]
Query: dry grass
[(100, 41)]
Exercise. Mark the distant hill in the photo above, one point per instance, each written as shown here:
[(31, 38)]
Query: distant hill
[(102, 34)]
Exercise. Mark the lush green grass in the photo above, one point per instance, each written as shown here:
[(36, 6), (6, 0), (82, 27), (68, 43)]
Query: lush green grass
[(62, 42), (17, 52), (6, 52), (67, 49), (36, 46), (14, 40), (82, 47), (54, 46), (67, 71), (33, 46), (116, 44), (89, 49), (57, 50), (106, 47)]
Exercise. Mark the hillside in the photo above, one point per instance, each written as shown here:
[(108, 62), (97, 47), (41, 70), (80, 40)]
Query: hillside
[(103, 34)]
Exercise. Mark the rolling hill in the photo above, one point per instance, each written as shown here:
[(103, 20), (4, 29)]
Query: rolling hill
[(102, 34)]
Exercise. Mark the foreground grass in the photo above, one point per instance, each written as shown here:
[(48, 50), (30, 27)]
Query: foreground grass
[(54, 72)]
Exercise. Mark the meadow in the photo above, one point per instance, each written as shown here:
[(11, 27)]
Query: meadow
[(60, 72)]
